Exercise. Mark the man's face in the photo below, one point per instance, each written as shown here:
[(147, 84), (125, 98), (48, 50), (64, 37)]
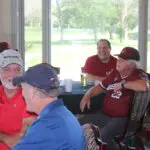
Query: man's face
[(8, 73), (103, 51), (124, 67)]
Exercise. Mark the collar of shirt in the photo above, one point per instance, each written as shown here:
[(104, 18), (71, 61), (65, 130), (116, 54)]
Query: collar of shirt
[(50, 107)]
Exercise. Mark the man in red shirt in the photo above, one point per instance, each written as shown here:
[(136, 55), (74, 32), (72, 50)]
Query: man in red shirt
[(101, 65), (119, 86), (14, 120)]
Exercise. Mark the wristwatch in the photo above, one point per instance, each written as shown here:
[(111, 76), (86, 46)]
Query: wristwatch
[(122, 83)]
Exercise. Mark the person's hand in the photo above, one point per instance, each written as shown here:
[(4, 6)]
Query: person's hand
[(8, 139), (85, 102)]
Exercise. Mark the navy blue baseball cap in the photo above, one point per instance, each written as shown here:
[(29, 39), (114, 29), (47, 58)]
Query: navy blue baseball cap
[(42, 76)]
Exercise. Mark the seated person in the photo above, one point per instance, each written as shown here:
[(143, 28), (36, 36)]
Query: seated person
[(14, 120), (101, 65), (56, 127), (119, 86)]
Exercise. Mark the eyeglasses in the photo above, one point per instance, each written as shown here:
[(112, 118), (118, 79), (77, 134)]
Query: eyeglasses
[(15, 70)]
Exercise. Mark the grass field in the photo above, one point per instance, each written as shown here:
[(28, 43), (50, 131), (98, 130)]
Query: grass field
[(70, 54)]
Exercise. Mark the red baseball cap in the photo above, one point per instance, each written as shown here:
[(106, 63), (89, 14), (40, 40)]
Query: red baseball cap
[(3, 46), (129, 53)]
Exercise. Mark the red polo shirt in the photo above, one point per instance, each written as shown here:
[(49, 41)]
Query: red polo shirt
[(12, 113), (96, 67)]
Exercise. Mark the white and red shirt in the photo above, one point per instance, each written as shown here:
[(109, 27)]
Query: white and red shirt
[(117, 104)]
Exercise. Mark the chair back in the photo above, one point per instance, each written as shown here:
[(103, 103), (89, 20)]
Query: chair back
[(92, 137), (139, 120), (139, 106)]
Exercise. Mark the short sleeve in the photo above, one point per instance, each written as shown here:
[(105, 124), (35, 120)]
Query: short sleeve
[(88, 67)]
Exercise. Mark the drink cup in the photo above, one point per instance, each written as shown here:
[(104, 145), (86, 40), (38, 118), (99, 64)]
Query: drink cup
[(84, 79), (68, 85)]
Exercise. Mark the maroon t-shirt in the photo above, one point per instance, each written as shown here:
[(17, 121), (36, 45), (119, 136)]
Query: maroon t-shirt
[(94, 66), (117, 104)]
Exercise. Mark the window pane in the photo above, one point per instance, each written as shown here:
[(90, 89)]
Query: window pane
[(76, 25), (33, 32)]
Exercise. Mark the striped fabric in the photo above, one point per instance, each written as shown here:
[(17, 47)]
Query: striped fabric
[(91, 133)]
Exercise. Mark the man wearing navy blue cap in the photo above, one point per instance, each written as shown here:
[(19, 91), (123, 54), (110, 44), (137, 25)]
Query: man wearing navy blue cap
[(56, 127)]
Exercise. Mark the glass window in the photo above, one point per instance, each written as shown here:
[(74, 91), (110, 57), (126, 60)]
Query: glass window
[(76, 25), (33, 32)]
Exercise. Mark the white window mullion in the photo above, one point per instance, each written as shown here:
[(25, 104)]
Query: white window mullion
[(14, 21), (143, 31), (46, 31), (21, 35)]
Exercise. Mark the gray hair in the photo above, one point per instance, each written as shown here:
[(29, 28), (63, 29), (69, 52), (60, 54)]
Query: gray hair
[(43, 93), (49, 92), (137, 63)]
